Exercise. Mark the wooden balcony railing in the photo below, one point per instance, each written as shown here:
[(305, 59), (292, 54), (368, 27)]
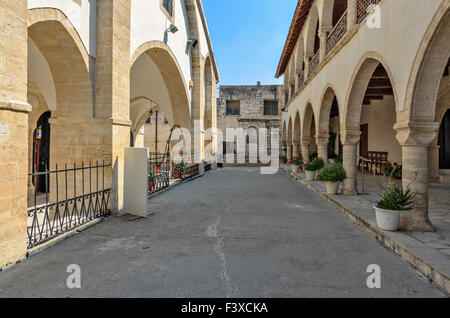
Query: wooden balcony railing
[(301, 79), (337, 33), (364, 8), (314, 62)]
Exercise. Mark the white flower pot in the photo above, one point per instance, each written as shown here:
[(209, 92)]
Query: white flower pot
[(310, 175), (387, 220), (332, 187), (295, 168)]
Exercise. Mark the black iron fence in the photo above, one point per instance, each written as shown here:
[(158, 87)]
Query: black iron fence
[(73, 197), (159, 172), (190, 172)]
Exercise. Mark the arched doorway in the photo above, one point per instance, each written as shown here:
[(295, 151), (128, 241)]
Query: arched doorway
[(444, 142), (329, 126), (41, 151), (369, 121)]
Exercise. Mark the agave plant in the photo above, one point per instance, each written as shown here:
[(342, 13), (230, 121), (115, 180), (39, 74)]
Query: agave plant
[(396, 198)]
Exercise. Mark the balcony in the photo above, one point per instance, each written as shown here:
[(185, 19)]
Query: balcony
[(364, 8)]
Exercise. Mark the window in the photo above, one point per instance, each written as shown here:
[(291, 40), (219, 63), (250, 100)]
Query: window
[(286, 98), (233, 108), (168, 5), (270, 107)]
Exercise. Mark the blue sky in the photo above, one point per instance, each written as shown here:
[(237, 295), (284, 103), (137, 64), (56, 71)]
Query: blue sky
[(248, 37)]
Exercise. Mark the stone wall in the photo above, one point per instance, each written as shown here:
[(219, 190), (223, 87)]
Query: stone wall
[(251, 100)]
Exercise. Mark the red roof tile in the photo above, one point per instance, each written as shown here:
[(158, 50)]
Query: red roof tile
[(300, 15)]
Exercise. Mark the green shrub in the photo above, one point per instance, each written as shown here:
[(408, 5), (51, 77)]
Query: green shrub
[(333, 173), (396, 198), (315, 165)]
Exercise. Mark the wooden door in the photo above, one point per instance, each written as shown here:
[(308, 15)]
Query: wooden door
[(364, 142), (444, 142)]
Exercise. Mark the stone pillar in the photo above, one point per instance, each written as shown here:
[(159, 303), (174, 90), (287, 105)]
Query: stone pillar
[(201, 168), (289, 152), (415, 139), (323, 36), (433, 163), (113, 84), (415, 175), (295, 150), (306, 59), (305, 149), (14, 110), (351, 14), (322, 148), (350, 141)]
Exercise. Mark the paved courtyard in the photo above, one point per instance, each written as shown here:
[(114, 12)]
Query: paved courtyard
[(232, 233)]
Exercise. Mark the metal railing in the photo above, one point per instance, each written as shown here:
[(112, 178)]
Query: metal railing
[(73, 197), (314, 62), (364, 8), (337, 33), (301, 79), (159, 172), (190, 172)]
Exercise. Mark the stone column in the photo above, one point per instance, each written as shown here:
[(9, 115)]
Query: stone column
[(289, 152), (323, 36), (295, 151), (305, 149), (322, 148), (113, 84), (415, 175), (350, 141), (351, 14), (415, 139), (306, 59), (433, 163), (14, 110)]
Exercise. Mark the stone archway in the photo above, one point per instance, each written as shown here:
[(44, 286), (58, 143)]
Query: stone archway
[(64, 82), (307, 129), (296, 140), (289, 140), (328, 123), (416, 127), (371, 87), (167, 87)]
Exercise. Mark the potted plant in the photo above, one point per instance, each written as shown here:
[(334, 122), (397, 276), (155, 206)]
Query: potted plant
[(312, 167), (283, 159), (296, 163), (394, 200), (153, 172), (178, 168), (333, 175)]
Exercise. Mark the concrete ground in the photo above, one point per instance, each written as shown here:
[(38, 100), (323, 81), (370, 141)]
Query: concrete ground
[(232, 233)]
